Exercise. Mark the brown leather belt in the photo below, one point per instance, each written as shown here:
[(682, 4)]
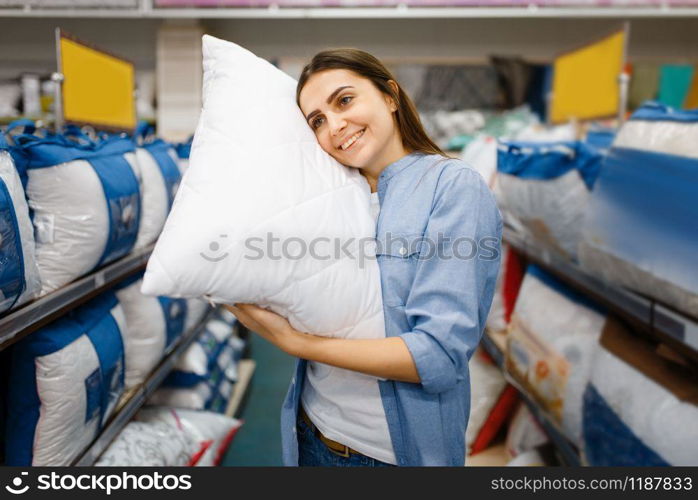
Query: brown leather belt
[(334, 446)]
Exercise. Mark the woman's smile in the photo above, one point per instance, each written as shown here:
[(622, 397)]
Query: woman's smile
[(349, 143)]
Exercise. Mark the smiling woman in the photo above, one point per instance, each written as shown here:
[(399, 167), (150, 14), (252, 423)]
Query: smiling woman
[(359, 113), (401, 397)]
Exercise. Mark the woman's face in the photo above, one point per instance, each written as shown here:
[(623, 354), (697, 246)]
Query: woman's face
[(352, 119)]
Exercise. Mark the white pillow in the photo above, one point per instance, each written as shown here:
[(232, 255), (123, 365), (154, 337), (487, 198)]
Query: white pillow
[(256, 168), (86, 205), (147, 339), (154, 204), (17, 246), (151, 444), (212, 431)]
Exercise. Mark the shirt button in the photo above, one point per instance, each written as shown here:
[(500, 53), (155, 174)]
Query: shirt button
[(402, 251), (293, 380)]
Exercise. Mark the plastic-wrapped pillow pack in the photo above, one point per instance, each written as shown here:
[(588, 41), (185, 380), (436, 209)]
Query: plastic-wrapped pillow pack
[(196, 397), (183, 150), (525, 433), (221, 396), (547, 186), (292, 190), (552, 339), (506, 290), (152, 444), (19, 275), (154, 323), (491, 403), (196, 310), (213, 431), (481, 154), (197, 362), (160, 178), (85, 201), (639, 408), (67, 378), (640, 231)]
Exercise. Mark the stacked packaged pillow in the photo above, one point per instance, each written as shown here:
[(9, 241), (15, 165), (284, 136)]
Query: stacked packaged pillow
[(160, 178), (66, 379), (161, 436), (546, 187), (154, 323), (85, 202), (183, 151), (506, 290), (213, 430), (151, 444), (19, 275), (640, 409), (552, 339), (492, 401), (196, 310), (203, 376), (525, 433), (640, 231)]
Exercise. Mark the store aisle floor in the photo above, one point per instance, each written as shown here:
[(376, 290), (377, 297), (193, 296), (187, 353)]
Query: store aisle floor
[(258, 443)]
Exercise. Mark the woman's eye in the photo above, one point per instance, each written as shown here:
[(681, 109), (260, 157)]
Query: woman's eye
[(316, 123), (345, 100)]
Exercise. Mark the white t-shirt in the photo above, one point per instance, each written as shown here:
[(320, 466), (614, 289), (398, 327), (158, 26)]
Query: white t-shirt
[(346, 406)]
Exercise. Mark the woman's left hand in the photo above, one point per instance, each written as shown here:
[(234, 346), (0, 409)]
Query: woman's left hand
[(269, 325)]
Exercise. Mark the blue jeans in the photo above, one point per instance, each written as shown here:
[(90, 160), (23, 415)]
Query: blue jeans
[(313, 453)]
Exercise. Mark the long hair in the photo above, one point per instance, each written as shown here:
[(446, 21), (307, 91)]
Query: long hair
[(414, 138)]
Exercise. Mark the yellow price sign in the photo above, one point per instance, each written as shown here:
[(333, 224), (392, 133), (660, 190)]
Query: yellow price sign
[(585, 81), (98, 88)]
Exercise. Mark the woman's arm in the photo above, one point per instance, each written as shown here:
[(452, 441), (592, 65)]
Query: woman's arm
[(386, 358)]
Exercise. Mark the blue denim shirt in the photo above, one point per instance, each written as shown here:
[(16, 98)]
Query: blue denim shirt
[(438, 250)]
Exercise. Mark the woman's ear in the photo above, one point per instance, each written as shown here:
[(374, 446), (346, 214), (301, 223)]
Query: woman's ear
[(392, 104)]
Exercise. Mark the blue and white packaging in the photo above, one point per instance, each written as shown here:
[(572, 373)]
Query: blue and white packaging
[(19, 275), (160, 178), (85, 203), (198, 361), (640, 231), (552, 340), (66, 380), (546, 187), (183, 150), (196, 310), (154, 323), (639, 409)]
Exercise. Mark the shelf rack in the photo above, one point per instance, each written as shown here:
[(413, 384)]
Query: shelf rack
[(567, 451), (246, 369), (146, 10), (30, 317), (132, 400), (677, 330)]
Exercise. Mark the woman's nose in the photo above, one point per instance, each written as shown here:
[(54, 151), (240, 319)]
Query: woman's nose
[(337, 124)]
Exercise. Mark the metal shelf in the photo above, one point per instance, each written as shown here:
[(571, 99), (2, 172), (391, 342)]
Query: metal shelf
[(567, 450), (132, 400), (30, 317), (246, 368), (397, 12), (672, 327)]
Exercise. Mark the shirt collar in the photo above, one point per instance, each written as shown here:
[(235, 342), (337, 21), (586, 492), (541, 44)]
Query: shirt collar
[(398, 166)]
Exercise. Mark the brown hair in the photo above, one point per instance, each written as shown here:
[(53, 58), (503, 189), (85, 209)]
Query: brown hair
[(414, 138)]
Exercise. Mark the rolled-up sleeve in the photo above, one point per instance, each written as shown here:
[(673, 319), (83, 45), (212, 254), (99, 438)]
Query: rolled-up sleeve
[(452, 291)]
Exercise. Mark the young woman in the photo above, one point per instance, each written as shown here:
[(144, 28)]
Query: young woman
[(402, 399)]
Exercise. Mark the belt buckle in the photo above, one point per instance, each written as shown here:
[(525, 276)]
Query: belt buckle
[(344, 453)]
